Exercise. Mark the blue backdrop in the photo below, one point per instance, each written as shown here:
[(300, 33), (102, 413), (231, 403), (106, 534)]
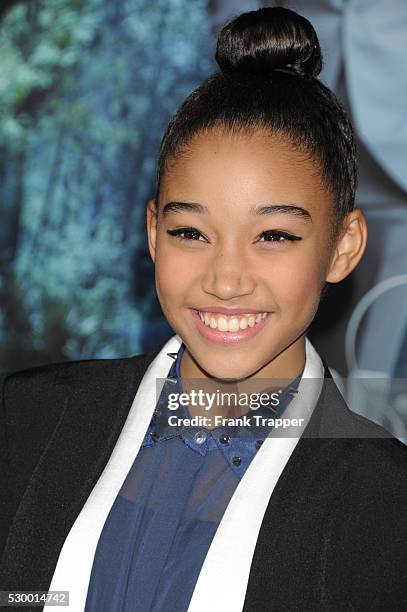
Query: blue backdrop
[(86, 90)]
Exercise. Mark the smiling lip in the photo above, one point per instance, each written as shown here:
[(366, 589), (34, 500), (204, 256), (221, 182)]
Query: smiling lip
[(219, 337), (231, 311)]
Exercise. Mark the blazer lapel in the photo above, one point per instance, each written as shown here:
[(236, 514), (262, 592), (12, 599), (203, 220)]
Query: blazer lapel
[(74, 565), (226, 569)]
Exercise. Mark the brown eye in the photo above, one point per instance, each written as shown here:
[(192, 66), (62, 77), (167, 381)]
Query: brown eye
[(186, 233)]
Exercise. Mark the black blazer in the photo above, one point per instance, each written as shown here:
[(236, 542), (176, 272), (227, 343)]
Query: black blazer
[(334, 534)]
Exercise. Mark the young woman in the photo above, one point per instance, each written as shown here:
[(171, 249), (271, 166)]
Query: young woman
[(107, 498)]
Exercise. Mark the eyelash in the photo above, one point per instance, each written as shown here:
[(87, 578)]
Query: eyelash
[(273, 233)]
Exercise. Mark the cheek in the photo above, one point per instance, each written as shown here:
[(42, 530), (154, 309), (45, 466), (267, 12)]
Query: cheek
[(174, 274), (298, 287)]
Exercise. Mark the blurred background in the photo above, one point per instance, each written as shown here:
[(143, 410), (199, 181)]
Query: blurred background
[(86, 90)]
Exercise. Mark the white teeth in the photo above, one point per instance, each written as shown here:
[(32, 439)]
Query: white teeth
[(222, 324), (243, 323), (232, 323)]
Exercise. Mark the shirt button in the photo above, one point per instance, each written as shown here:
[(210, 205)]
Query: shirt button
[(258, 444), (200, 437), (224, 438), (237, 461), (155, 435)]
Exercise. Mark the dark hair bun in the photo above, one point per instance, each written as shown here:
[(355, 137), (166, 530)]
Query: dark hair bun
[(261, 41)]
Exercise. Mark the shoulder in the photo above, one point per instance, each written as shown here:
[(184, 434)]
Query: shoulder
[(373, 444), (353, 449), (35, 381), (333, 418), (34, 399)]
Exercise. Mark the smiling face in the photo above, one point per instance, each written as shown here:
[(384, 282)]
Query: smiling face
[(258, 220)]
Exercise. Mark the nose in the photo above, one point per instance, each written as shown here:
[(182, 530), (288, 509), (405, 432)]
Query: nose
[(227, 274)]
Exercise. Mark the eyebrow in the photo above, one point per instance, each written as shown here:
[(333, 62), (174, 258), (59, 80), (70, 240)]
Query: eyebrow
[(258, 210)]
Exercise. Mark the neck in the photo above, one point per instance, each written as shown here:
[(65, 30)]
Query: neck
[(288, 364), (273, 376)]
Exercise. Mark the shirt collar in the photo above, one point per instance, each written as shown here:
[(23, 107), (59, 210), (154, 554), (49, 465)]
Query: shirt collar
[(160, 425)]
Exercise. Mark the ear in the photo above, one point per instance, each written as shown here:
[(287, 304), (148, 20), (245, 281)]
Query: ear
[(350, 247), (151, 217)]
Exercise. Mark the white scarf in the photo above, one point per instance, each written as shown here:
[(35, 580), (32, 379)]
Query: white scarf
[(237, 533)]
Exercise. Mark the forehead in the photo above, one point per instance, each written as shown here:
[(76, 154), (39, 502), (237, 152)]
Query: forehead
[(236, 169)]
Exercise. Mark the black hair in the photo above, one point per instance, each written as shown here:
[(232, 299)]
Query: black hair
[(269, 60)]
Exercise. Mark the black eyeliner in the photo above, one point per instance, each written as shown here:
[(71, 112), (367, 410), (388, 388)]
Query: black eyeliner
[(179, 230), (184, 230), (279, 233), (272, 233)]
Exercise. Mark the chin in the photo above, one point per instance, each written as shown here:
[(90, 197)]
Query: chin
[(228, 373)]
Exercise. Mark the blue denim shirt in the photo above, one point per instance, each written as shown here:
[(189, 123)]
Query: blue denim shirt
[(160, 527)]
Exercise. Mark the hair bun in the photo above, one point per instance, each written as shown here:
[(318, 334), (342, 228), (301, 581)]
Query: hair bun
[(261, 41)]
